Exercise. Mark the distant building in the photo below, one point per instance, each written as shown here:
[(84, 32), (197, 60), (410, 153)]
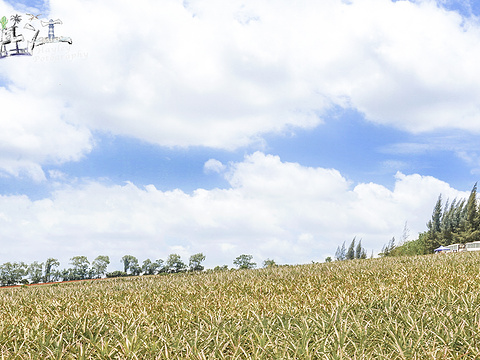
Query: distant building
[(473, 246), (456, 247)]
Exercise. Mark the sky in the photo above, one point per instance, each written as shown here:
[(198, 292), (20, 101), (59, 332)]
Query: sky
[(277, 129)]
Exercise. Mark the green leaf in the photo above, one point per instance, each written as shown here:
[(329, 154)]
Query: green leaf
[(3, 21)]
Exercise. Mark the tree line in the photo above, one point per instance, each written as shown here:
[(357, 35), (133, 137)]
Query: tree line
[(455, 222), (354, 251), (81, 269)]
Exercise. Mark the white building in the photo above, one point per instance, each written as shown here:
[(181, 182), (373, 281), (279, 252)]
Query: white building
[(473, 246)]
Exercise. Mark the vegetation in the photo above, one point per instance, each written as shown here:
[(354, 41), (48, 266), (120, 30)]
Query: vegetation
[(353, 252), (244, 262), (423, 307), (451, 223), (269, 263), (81, 269)]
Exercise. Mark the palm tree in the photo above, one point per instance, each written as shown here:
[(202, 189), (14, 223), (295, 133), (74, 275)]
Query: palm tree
[(16, 19)]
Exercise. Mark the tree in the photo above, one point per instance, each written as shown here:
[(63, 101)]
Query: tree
[(80, 267), (116, 273), (351, 250), (195, 262), (135, 268), (67, 275), (147, 267), (406, 233), (388, 248), (50, 264), (244, 262), (328, 259), (174, 264), (469, 226), (56, 275), (160, 266), (151, 268), (220, 268), (341, 253), (360, 252), (269, 263), (99, 265), (35, 272), (471, 215), (12, 273), (412, 247), (129, 261), (434, 227)]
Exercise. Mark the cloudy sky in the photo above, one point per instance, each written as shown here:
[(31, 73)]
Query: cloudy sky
[(276, 128)]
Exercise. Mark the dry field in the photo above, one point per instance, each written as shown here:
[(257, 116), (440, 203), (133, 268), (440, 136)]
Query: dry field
[(393, 308)]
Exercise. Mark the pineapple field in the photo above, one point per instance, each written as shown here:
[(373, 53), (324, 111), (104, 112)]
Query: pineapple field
[(419, 307)]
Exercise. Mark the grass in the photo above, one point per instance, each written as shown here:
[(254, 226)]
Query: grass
[(394, 308)]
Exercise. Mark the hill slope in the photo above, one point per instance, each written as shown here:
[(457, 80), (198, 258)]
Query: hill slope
[(413, 307)]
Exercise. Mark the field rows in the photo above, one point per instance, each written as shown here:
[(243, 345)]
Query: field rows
[(394, 308)]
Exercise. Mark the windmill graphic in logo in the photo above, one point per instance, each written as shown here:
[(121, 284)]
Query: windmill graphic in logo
[(11, 41)]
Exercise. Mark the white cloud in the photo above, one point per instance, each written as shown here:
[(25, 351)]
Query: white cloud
[(220, 74), (213, 165), (33, 131), (274, 209), (223, 73)]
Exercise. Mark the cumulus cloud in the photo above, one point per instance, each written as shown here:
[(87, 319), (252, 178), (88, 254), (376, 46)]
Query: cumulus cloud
[(213, 165), (33, 131), (221, 74), (272, 209)]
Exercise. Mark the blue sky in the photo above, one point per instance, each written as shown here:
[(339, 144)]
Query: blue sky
[(215, 128)]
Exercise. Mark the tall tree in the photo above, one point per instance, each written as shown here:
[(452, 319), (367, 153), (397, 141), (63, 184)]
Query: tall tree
[(161, 268), (341, 253), (351, 250), (12, 273), (434, 227), (129, 261), (135, 268), (80, 267), (175, 264), (150, 267), (50, 265), (195, 262), (388, 248), (469, 227), (244, 262), (269, 263), (35, 272), (99, 266), (359, 250), (471, 215)]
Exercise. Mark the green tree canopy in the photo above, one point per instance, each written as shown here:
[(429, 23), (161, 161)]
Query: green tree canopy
[(35, 272), (129, 262), (12, 273), (80, 267), (244, 262), (351, 250), (50, 265), (195, 262), (174, 263), (269, 263), (99, 265)]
